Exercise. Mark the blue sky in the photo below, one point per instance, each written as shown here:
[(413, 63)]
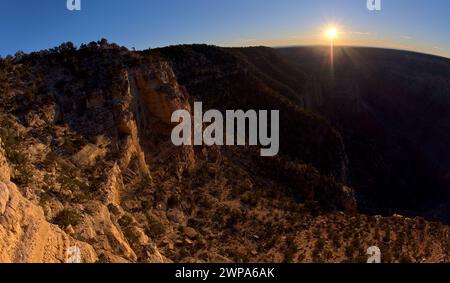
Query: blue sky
[(419, 25)]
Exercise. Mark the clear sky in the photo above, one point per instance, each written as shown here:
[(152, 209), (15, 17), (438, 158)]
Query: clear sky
[(419, 25)]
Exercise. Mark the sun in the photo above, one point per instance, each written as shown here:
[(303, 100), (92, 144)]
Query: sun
[(332, 33)]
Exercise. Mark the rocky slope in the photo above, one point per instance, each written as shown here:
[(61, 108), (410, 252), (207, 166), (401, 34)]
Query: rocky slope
[(88, 162), (25, 233)]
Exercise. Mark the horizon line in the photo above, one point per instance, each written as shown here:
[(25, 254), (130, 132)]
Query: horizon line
[(244, 46)]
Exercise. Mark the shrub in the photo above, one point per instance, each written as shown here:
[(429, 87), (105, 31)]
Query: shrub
[(155, 228), (50, 160), (349, 252), (67, 217), (23, 176), (290, 250), (125, 220), (405, 259), (145, 183)]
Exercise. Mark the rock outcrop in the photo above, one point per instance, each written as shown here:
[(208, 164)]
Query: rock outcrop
[(25, 235), (98, 228), (157, 95)]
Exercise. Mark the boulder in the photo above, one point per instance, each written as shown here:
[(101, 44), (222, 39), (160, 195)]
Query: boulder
[(190, 232)]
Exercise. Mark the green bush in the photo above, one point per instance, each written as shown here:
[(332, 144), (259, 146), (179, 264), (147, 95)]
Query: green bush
[(155, 228), (125, 221), (67, 217), (290, 251), (24, 175)]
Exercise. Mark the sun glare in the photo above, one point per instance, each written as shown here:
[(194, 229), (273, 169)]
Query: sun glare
[(332, 33)]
